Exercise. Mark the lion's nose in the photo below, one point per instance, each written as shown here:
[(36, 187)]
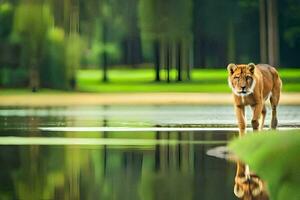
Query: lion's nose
[(243, 88)]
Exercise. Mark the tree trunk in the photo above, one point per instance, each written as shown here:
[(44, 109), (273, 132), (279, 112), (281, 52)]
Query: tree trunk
[(34, 75), (189, 59), (231, 42), (168, 61), (178, 60), (276, 34), (156, 60), (263, 31), (74, 29), (104, 54), (273, 32)]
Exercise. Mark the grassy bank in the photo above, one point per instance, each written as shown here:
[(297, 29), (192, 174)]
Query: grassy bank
[(141, 80)]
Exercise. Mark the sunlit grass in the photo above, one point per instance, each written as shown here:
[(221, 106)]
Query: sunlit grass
[(142, 80), (290, 73)]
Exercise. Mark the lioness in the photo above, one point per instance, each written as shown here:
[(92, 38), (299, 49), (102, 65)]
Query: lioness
[(247, 185), (252, 85)]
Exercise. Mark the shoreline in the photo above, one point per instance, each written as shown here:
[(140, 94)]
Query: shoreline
[(86, 99)]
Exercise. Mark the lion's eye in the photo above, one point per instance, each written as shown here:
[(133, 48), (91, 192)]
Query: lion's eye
[(248, 78)]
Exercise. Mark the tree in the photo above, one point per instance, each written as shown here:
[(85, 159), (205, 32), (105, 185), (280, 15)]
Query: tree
[(31, 23), (268, 30), (263, 31), (289, 35), (167, 23), (273, 40)]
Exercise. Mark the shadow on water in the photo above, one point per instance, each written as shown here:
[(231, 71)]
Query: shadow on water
[(115, 165)]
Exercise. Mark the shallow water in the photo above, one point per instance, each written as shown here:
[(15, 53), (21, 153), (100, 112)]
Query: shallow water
[(81, 152)]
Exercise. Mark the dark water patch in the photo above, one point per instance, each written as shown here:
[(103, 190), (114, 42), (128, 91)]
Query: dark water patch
[(160, 172)]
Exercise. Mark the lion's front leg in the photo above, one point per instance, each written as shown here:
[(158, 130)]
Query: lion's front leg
[(240, 179), (240, 115), (257, 110)]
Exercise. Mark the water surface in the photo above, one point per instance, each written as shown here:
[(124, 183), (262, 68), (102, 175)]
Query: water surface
[(81, 152)]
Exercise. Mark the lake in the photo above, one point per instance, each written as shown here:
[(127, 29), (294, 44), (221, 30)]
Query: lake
[(120, 152)]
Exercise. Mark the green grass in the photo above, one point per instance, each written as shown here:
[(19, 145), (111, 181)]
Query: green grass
[(141, 80)]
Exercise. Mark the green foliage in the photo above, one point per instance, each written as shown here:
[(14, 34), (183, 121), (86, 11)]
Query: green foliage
[(6, 18), (275, 157), (63, 56), (43, 47), (292, 36), (13, 77), (248, 3), (30, 28), (6, 48), (53, 72), (290, 24), (165, 19), (73, 51), (289, 17), (31, 23), (43, 31), (56, 35)]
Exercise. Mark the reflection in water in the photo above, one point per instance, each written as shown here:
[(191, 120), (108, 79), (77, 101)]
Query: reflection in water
[(179, 170), (248, 186), (170, 171)]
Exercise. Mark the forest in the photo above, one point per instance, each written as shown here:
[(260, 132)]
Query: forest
[(43, 43)]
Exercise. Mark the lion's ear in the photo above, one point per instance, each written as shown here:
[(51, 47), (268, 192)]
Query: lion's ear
[(251, 67), (231, 68)]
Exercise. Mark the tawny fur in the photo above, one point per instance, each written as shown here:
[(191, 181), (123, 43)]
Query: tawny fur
[(247, 185), (252, 85)]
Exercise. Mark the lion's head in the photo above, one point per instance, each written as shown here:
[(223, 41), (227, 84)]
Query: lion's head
[(241, 78)]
